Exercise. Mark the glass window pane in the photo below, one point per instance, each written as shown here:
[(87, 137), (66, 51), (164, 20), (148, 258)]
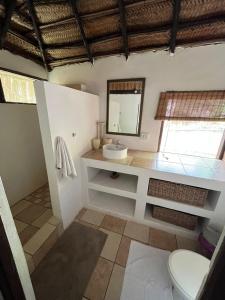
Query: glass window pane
[(192, 138), (17, 88)]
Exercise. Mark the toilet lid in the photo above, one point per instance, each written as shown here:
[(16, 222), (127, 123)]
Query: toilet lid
[(187, 270)]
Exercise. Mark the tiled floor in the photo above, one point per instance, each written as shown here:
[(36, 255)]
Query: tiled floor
[(107, 278), (38, 229), (31, 213)]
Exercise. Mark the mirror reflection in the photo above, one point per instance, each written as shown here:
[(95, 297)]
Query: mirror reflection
[(124, 106)]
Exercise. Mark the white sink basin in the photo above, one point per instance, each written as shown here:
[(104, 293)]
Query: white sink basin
[(112, 151)]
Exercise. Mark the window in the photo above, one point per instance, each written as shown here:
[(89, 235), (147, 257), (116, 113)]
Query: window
[(16, 88), (198, 138), (194, 122)]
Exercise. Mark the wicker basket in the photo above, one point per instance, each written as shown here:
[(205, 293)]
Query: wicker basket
[(175, 217), (177, 192)]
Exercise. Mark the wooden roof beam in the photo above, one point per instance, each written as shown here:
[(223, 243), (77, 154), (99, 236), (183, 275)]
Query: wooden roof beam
[(98, 14), (81, 58), (37, 31), (9, 7), (157, 29), (174, 29), (80, 25), (22, 37), (123, 25)]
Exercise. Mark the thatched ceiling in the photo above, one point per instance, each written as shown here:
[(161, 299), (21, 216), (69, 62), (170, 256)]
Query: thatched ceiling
[(56, 32)]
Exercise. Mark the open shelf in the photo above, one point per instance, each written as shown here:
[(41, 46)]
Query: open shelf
[(119, 196), (206, 211), (124, 185), (212, 199), (148, 217), (113, 203)]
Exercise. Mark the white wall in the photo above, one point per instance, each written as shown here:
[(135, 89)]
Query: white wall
[(63, 111), (20, 64), (15, 245), (22, 164), (200, 68)]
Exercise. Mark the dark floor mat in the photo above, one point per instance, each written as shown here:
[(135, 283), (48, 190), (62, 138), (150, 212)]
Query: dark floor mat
[(64, 273)]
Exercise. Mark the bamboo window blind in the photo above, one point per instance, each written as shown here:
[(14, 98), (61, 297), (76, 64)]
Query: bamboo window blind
[(126, 85), (197, 105)]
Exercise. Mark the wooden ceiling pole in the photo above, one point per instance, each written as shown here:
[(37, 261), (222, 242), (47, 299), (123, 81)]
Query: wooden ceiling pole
[(9, 7), (37, 31), (158, 29), (176, 13), (80, 25), (123, 25), (22, 37)]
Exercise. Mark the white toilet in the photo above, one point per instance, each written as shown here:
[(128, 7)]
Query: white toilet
[(187, 270)]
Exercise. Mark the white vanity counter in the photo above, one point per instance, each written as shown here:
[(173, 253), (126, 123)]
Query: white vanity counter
[(127, 196)]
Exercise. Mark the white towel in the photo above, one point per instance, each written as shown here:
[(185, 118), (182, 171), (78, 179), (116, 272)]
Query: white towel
[(64, 160)]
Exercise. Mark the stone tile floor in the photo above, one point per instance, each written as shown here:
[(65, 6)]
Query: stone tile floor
[(107, 278), (31, 213), (38, 229)]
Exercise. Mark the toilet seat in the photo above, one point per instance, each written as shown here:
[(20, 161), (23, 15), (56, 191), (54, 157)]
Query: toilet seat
[(187, 270)]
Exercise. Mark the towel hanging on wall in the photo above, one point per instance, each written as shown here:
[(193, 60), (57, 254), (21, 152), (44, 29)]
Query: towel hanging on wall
[(64, 160)]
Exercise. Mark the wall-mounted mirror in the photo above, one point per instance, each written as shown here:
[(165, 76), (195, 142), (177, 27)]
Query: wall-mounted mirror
[(124, 106)]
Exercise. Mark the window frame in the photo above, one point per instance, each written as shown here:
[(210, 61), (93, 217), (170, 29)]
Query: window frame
[(22, 74), (2, 96), (220, 152)]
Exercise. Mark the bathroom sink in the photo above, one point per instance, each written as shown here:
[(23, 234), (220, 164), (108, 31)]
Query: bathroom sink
[(112, 151)]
